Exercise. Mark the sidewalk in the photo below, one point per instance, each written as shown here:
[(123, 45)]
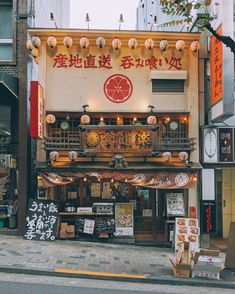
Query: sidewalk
[(93, 260)]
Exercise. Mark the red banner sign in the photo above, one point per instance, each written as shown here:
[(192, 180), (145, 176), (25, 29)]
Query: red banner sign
[(36, 111)]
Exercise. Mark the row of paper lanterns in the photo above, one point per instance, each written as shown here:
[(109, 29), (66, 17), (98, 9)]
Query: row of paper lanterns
[(35, 42), (72, 155)]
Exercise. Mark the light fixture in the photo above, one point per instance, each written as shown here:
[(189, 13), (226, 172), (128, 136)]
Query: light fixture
[(180, 45), (168, 119), (85, 119), (134, 120), (151, 107), (52, 19), (84, 43), (112, 180), (166, 156), (195, 178), (101, 122), (195, 46), (29, 45), (149, 43), (36, 41), (100, 42), (183, 156), (201, 21), (163, 45), (51, 41), (85, 179), (72, 155), (54, 156), (87, 20), (116, 43), (85, 106), (50, 119), (126, 180), (151, 120), (132, 43), (121, 20), (185, 119), (68, 42), (154, 22)]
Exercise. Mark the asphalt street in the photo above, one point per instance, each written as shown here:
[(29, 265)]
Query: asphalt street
[(27, 284)]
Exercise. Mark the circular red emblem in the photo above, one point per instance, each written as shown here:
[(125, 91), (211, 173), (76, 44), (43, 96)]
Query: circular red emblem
[(118, 88)]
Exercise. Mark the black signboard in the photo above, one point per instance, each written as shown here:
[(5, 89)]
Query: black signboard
[(42, 220), (225, 145), (208, 216)]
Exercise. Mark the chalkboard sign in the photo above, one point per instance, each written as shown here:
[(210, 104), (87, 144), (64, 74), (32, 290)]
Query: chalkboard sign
[(42, 220)]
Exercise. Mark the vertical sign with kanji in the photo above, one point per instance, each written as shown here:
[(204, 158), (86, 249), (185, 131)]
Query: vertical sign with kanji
[(225, 144), (42, 220), (216, 68), (36, 110)]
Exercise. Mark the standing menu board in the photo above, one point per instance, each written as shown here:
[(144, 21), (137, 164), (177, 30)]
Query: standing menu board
[(42, 220), (186, 229), (175, 204), (124, 219)]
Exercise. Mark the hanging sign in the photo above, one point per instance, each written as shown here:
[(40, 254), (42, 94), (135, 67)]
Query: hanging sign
[(42, 220), (37, 110), (208, 216)]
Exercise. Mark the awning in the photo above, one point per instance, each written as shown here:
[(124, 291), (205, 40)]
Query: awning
[(9, 86)]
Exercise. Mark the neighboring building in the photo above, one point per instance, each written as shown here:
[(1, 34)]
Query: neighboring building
[(99, 142), (15, 71)]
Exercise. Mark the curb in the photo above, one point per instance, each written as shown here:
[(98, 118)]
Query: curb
[(121, 278)]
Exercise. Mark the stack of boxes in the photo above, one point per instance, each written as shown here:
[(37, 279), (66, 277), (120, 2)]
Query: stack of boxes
[(66, 231)]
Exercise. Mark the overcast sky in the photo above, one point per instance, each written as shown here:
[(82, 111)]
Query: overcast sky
[(104, 14)]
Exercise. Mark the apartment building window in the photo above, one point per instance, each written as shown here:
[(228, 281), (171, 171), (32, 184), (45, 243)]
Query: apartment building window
[(6, 30), (167, 86)]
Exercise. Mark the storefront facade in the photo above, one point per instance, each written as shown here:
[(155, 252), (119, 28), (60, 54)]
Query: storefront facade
[(116, 118)]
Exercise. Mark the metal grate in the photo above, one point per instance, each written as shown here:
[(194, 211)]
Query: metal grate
[(167, 86)]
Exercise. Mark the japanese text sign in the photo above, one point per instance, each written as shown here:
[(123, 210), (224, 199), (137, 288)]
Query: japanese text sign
[(225, 144), (42, 220)]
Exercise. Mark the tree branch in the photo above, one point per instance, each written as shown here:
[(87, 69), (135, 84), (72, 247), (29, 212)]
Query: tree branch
[(228, 41)]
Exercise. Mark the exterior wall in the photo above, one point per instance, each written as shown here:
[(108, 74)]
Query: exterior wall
[(228, 199)]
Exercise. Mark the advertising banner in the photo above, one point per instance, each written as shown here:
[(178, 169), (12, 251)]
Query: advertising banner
[(124, 219)]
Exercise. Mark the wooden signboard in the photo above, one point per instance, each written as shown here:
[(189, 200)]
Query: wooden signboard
[(42, 220)]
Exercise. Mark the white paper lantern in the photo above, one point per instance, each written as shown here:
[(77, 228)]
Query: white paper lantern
[(116, 43), (139, 179), (54, 156), (50, 119), (84, 43), (132, 43), (164, 45), (34, 52), (166, 156), (149, 43), (100, 42), (29, 45), (51, 41), (36, 41), (68, 42), (180, 45), (183, 156), (151, 120), (72, 155), (85, 119), (195, 46)]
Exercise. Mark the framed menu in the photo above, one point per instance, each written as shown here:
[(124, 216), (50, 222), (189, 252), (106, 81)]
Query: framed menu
[(175, 204), (187, 229), (95, 189)]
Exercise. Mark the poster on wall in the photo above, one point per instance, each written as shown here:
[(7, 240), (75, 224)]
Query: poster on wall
[(124, 219), (95, 189), (89, 226), (208, 216), (186, 229), (225, 144), (106, 192), (175, 204), (42, 220)]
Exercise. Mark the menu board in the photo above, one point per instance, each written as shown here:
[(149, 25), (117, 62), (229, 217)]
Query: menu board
[(175, 204), (225, 144), (89, 226), (186, 229), (106, 192), (42, 220), (95, 189), (124, 219)]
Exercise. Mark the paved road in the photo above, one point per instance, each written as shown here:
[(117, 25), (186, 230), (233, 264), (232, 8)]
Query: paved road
[(26, 284)]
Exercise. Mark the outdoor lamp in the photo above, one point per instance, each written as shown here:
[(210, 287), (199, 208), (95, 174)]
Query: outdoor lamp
[(29, 45), (84, 43), (151, 120), (149, 43), (180, 45), (36, 41), (164, 45), (51, 41), (120, 20), (85, 119), (132, 43), (54, 156), (100, 42), (68, 42), (183, 156), (87, 20), (72, 155), (201, 20), (116, 43), (52, 19), (195, 46)]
